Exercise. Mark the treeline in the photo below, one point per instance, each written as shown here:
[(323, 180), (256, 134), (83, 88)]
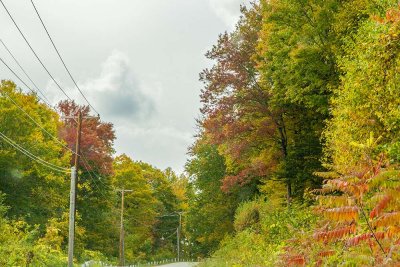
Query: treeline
[(297, 151), (37, 149)]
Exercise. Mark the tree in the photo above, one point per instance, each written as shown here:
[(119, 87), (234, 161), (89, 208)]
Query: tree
[(211, 211), (366, 102), (33, 192), (236, 114), (140, 207), (95, 193)]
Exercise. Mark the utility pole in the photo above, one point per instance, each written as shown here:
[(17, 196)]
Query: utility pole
[(122, 231), (72, 197), (177, 241), (178, 234), (71, 218)]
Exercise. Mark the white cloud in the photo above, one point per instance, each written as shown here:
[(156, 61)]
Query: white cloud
[(157, 144), (227, 10), (114, 92)]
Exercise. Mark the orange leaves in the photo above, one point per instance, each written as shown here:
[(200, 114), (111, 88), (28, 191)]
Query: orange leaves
[(393, 15), (352, 186), (388, 219), (393, 231), (335, 234), (349, 213), (380, 206), (296, 260), (326, 253)]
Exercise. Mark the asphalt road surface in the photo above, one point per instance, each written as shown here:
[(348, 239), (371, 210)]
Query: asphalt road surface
[(180, 264)]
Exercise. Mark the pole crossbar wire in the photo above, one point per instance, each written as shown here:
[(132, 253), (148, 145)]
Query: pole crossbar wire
[(33, 51), (85, 165), (32, 156)]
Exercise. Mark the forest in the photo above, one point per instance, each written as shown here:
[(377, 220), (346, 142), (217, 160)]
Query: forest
[(295, 162)]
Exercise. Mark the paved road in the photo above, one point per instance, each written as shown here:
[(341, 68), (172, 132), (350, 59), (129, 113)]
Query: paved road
[(180, 264)]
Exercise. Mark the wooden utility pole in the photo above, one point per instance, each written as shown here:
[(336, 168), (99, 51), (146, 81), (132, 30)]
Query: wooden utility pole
[(78, 140), (72, 206), (178, 233), (72, 197), (122, 233)]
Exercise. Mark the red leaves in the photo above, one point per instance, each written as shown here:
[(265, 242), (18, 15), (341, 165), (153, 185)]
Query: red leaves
[(97, 138), (380, 206), (357, 239), (364, 237), (335, 234)]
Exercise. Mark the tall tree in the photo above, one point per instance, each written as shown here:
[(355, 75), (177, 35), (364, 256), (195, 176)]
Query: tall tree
[(236, 114), (95, 194)]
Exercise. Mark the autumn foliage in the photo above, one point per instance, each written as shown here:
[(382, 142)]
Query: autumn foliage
[(372, 190)]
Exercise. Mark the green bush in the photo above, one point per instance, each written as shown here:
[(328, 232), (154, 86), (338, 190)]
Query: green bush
[(260, 241)]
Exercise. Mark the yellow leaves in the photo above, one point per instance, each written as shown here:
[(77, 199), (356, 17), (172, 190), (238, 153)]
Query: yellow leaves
[(327, 175), (388, 219), (384, 179), (393, 231), (370, 143), (335, 201), (349, 213)]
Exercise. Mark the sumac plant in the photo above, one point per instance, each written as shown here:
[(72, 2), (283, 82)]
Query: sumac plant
[(360, 220)]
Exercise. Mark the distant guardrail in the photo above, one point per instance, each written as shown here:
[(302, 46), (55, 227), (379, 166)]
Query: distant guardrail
[(145, 264)]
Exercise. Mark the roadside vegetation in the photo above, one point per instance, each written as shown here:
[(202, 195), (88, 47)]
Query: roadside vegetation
[(298, 142)]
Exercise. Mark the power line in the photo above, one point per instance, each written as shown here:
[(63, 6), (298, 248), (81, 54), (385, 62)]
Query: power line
[(85, 165), (94, 174), (62, 60), (58, 141), (41, 127), (32, 156), (52, 136), (26, 74), (19, 78), (33, 51)]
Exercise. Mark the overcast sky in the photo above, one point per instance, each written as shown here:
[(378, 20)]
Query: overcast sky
[(137, 61)]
